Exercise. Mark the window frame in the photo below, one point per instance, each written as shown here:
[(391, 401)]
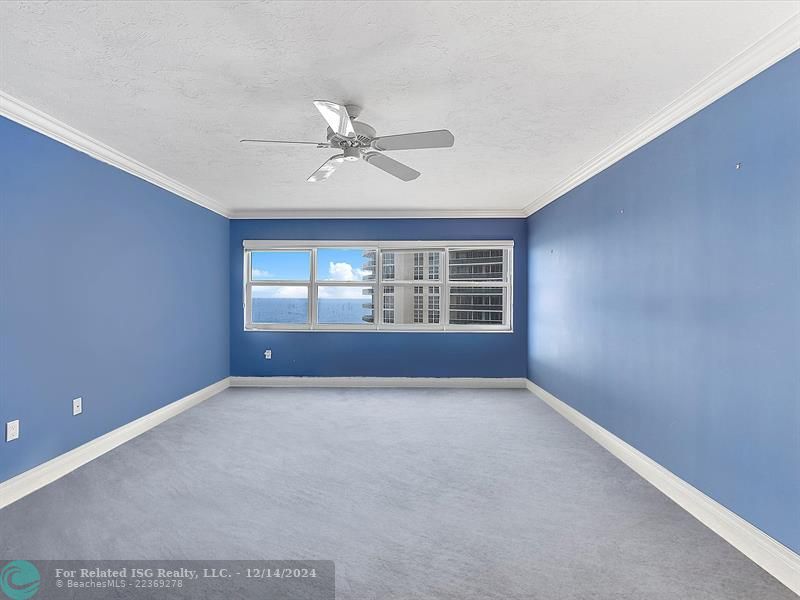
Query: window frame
[(250, 284), (419, 248), (377, 284), (316, 284)]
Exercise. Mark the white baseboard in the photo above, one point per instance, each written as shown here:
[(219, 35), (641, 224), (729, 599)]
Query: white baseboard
[(23, 484), (772, 556), (399, 382), (769, 554)]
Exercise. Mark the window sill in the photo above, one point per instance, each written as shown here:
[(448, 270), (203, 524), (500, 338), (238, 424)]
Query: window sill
[(334, 329)]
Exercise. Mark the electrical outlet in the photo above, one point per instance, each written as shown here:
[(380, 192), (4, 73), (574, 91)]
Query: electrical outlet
[(77, 406), (268, 354), (12, 430)]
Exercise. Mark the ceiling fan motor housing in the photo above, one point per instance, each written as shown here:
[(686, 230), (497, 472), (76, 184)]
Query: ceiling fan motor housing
[(364, 135)]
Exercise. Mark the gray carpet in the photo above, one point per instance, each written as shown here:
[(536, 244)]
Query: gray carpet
[(416, 494)]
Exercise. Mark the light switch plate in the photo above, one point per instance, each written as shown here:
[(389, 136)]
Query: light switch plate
[(12, 430), (77, 406)]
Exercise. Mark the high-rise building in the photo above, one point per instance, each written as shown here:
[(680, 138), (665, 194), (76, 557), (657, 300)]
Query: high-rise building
[(476, 305), (412, 287)]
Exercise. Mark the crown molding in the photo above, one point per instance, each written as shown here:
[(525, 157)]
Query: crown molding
[(774, 46), (33, 118), (376, 214), (777, 44)]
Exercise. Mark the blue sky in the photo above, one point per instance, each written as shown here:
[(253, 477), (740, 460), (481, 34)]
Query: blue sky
[(333, 264), (337, 264), (281, 265)]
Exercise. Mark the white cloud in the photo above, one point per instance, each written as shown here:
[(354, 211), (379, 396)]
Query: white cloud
[(280, 291), (261, 274), (342, 271)]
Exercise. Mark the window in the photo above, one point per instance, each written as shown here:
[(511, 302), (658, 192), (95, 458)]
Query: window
[(433, 265), (371, 286), (472, 305), (474, 296), (388, 265), (476, 265), (388, 304), (433, 304), (342, 296), (278, 287), (405, 265), (418, 304)]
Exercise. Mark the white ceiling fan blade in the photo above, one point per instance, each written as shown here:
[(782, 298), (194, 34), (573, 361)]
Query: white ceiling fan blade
[(441, 138), (391, 166), (317, 144), (337, 117), (327, 168)]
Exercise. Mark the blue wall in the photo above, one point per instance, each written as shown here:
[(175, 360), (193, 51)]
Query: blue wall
[(665, 300), (110, 288), (341, 354), (661, 298)]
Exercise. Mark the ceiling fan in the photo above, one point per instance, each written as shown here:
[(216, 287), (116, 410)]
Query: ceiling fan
[(357, 140)]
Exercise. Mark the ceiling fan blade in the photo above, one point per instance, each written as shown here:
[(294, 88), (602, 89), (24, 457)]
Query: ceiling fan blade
[(327, 168), (391, 166), (317, 144), (337, 117), (441, 138)]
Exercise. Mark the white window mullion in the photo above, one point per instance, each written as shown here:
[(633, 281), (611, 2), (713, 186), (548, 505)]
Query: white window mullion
[(508, 266), (246, 305), (313, 292), (246, 290), (377, 297), (445, 301)]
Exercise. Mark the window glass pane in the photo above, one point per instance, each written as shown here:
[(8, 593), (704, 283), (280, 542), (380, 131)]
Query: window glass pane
[(345, 304), (476, 264), (476, 305), (278, 265), (411, 265), (412, 304), (433, 299), (388, 304), (345, 264), (279, 304)]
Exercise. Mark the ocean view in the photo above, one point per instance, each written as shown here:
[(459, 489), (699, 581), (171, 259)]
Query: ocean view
[(295, 310)]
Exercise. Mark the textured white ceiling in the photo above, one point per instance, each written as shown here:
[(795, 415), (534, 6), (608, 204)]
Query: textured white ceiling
[(530, 90)]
